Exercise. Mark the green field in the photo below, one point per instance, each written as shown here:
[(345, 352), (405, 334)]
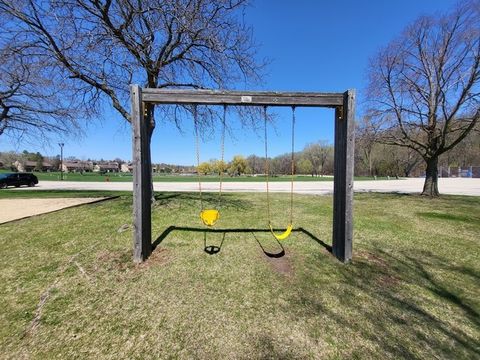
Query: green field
[(68, 287), (119, 177), (122, 177)]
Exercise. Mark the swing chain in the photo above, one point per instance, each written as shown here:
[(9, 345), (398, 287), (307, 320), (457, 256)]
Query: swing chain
[(293, 164), (197, 148), (266, 165), (222, 155), (267, 170)]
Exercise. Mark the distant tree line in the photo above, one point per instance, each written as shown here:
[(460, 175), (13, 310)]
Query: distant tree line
[(374, 156), (316, 159)]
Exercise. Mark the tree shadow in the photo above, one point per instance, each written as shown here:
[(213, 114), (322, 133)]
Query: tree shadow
[(398, 285), (384, 279), (165, 197), (420, 267), (227, 201), (445, 216)]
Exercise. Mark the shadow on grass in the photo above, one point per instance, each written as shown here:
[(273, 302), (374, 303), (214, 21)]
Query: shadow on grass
[(445, 216), (227, 201), (278, 254), (212, 249), (407, 323), (281, 253), (421, 267)]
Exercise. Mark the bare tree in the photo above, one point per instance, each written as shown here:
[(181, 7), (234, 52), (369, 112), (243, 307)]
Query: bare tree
[(256, 164), (466, 153), (366, 137), (392, 160), (326, 152), (282, 164), (30, 101), (101, 46), (8, 158), (407, 160), (318, 154), (375, 158), (312, 152), (425, 86)]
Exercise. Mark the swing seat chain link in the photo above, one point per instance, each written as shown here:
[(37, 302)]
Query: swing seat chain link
[(289, 229), (209, 216)]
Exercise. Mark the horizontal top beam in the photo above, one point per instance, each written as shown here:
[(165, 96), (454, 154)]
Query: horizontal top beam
[(248, 98)]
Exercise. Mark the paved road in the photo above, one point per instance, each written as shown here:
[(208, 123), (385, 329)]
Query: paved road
[(453, 186)]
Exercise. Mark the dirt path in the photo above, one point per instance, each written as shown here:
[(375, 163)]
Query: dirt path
[(14, 209)]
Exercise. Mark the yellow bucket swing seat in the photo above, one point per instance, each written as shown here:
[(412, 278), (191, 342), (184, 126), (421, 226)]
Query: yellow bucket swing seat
[(209, 216)]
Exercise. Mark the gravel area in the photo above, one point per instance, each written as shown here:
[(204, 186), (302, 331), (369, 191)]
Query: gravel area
[(14, 209)]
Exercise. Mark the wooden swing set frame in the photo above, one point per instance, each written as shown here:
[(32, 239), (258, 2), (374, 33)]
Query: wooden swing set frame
[(343, 103)]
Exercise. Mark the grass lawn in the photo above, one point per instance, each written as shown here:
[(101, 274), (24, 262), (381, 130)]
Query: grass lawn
[(122, 177), (68, 288), (39, 194)]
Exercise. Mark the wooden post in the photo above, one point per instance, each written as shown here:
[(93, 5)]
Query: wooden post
[(343, 178), (142, 212)]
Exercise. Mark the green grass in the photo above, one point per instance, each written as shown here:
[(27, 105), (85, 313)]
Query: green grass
[(7, 194), (68, 288), (122, 177), (88, 177)]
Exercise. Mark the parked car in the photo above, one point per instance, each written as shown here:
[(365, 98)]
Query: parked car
[(17, 180)]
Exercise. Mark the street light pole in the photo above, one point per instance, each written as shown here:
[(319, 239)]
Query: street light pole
[(61, 160)]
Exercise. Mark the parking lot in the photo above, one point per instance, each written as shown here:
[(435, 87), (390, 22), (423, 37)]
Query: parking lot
[(451, 186)]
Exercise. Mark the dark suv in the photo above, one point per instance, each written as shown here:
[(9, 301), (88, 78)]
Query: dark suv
[(17, 179)]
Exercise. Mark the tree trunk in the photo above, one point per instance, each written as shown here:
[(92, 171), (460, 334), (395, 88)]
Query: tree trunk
[(430, 188)]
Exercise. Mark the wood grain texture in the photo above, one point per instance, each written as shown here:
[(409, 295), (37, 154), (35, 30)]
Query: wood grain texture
[(246, 98), (142, 212), (343, 178)]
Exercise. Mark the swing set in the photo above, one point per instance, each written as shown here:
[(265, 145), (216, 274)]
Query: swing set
[(343, 103), (210, 216)]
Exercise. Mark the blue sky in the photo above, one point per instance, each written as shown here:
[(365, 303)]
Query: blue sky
[(313, 45)]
